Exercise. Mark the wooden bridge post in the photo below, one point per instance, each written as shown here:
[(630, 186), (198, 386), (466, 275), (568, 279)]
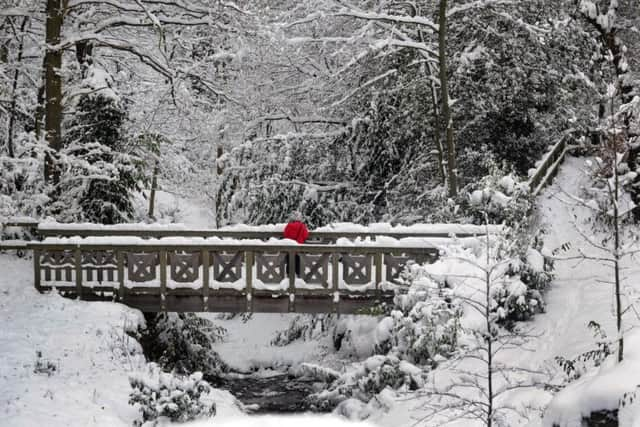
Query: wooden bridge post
[(36, 270), (121, 288), (377, 259), (292, 280), (163, 280), (204, 254), (335, 280), (248, 266), (77, 260)]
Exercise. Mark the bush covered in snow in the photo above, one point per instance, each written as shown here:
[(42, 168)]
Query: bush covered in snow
[(364, 380), (183, 342), (178, 398), (497, 198), (304, 327), (424, 326)]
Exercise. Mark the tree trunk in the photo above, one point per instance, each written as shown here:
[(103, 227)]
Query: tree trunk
[(616, 266), (53, 88), (14, 88), (154, 185), (437, 133), (446, 111)]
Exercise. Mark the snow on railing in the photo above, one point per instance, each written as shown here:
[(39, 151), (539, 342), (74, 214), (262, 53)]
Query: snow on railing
[(270, 231)]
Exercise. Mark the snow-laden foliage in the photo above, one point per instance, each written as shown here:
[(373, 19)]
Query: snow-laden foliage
[(366, 379), (304, 327), (184, 343), (22, 188), (97, 174), (423, 328), (179, 398), (500, 198)]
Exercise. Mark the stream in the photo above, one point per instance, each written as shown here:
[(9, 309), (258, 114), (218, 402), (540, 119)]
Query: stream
[(275, 394)]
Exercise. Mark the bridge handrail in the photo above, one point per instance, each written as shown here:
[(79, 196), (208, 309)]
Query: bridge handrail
[(63, 230), (548, 166)]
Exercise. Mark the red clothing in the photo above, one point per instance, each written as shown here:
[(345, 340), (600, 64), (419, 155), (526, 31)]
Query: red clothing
[(297, 231)]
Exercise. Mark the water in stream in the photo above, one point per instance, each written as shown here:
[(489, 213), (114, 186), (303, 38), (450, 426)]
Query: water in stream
[(274, 394)]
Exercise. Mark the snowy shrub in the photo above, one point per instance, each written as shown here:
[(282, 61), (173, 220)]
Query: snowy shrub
[(424, 326), (364, 380), (320, 373), (576, 367), (183, 342), (178, 398), (23, 191), (499, 199), (304, 327), (516, 285)]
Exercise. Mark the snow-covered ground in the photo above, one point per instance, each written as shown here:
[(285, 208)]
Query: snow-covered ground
[(65, 362)]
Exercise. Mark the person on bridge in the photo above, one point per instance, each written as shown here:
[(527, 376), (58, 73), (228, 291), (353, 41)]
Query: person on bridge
[(295, 230)]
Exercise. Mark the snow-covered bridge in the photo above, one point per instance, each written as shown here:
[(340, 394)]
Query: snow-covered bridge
[(345, 269)]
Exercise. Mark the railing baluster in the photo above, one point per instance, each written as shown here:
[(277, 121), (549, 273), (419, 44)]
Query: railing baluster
[(121, 288), (204, 255), (248, 265), (292, 280), (163, 280), (335, 280), (77, 258), (36, 270), (377, 259)]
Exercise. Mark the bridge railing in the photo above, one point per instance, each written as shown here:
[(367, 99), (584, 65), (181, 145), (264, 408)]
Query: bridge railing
[(10, 239), (182, 276), (325, 235), (548, 167)]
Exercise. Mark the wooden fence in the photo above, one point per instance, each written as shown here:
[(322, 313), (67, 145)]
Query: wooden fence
[(157, 276)]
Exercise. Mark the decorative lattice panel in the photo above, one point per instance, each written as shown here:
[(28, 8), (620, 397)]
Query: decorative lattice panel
[(141, 267), (100, 265), (394, 265), (57, 265), (184, 268), (227, 267), (271, 267), (356, 269), (314, 268)]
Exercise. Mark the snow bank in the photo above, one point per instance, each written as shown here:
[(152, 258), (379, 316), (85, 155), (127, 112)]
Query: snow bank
[(600, 390)]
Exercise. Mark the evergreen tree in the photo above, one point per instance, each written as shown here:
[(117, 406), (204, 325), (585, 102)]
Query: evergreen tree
[(98, 174)]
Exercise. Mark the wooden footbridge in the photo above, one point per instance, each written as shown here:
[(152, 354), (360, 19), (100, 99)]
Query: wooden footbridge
[(165, 268)]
